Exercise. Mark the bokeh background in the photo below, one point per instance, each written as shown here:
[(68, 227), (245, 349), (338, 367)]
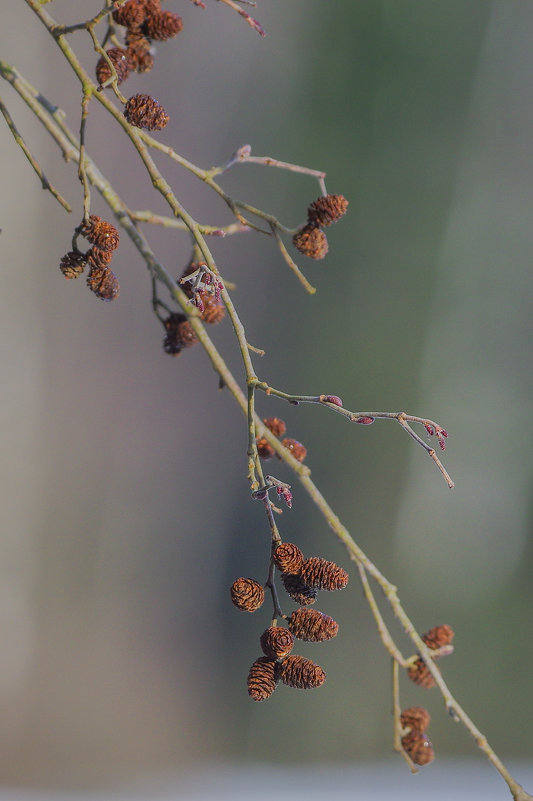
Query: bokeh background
[(125, 507)]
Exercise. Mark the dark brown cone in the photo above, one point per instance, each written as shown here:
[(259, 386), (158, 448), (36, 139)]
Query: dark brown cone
[(121, 61), (276, 425), (100, 233), (264, 448), (300, 592), (311, 625), (417, 745), (132, 14), (180, 333), (139, 52), (214, 310), (72, 264), (288, 557), (276, 642), (247, 594), (301, 673), (298, 450), (162, 26), (104, 283), (145, 112), (323, 575), (416, 718), (327, 209), (438, 636), (262, 679), (99, 258), (418, 673), (311, 241)]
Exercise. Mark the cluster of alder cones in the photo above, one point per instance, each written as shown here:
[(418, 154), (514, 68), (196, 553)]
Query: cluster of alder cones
[(203, 290), (310, 239), (277, 426), (101, 279), (145, 22), (302, 579)]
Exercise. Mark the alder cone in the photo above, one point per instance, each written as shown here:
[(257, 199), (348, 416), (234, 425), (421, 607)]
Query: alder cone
[(311, 241), (276, 642), (275, 425), (121, 61), (311, 625), (327, 209), (264, 448), (131, 15), (180, 334), (214, 310), (438, 636), (99, 258), (324, 575), (139, 52), (419, 673), (300, 592), (301, 673), (298, 450), (144, 111), (162, 26), (104, 283), (288, 557), (418, 746), (417, 718), (262, 678), (72, 264), (247, 594), (100, 233)]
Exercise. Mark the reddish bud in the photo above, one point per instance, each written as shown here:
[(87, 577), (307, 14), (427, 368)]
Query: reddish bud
[(333, 399), (429, 429), (365, 421)]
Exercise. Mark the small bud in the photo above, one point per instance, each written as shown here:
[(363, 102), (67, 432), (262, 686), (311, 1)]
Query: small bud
[(429, 428), (324, 575), (311, 625), (331, 399), (287, 557), (287, 495), (277, 642), (299, 672), (365, 421), (247, 594), (262, 678)]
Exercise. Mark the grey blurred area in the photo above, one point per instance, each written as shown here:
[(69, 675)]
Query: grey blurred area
[(125, 506)]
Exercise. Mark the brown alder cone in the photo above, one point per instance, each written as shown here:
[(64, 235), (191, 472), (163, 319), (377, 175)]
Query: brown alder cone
[(327, 209), (288, 557), (72, 264), (416, 718), (276, 425), (417, 745), (104, 283), (301, 673), (99, 258), (311, 241), (139, 51), (162, 26), (180, 333), (298, 450), (132, 14), (323, 575), (144, 111), (418, 673), (121, 61), (300, 592), (264, 448), (247, 594), (438, 636), (276, 642), (311, 625), (262, 678), (100, 233), (213, 310)]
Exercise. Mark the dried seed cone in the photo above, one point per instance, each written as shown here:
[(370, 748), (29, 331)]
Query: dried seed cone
[(214, 310), (99, 258), (264, 448), (418, 746), (139, 52), (276, 425), (180, 334), (288, 557), (247, 594), (311, 241), (438, 636), (162, 26), (100, 233), (327, 209), (104, 283), (298, 450), (418, 673), (72, 264), (262, 679), (300, 592), (416, 718), (121, 61), (145, 112), (311, 625), (276, 642), (323, 575), (301, 673), (132, 14)]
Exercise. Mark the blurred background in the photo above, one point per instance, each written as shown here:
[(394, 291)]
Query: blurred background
[(125, 506)]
